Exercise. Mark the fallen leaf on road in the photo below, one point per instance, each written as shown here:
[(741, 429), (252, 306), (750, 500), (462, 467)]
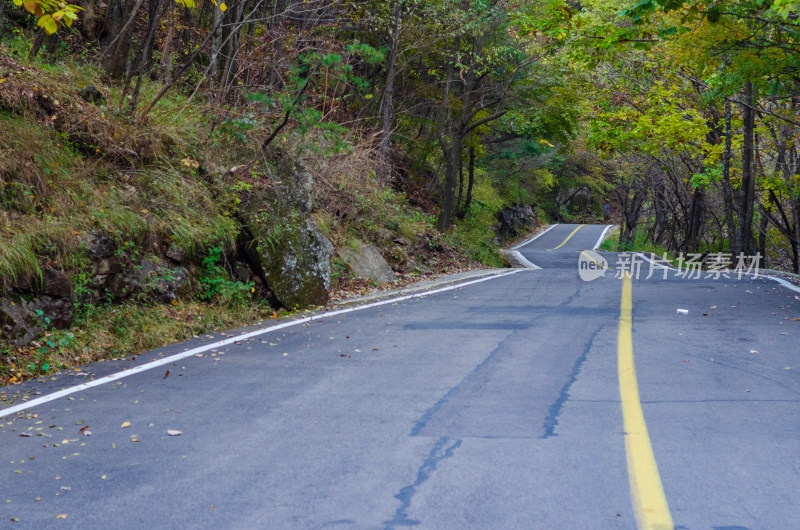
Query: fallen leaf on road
[(166, 374), (713, 307), (61, 516), (174, 432), (125, 425), (85, 431), (753, 351)]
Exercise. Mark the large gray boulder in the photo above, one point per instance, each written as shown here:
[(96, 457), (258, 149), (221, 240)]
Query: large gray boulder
[(294, 262), (366, 262), (283, 245)]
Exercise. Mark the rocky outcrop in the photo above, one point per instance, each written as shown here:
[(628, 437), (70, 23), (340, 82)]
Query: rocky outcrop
[(152, 279), (366, 262), (23, 320), (515, 221), (281, 255), (283, 245)]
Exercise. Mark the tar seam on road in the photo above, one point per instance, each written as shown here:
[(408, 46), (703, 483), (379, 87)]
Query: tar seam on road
[(567, 239), (425, 418), (553, 413), (647, 492), (230, 340), (441, 451)]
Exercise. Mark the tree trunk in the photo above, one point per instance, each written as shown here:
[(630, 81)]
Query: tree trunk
[(453, 157), (37, 44), (744, 229), (727, 190), (763, 226), (216, 39), (2, 12), (229, 73), (631, 207), (470, 182), (696, 220), (659, 206), (460, 188), (450, 142), (147, 52), (121, 26), (387, 102), (90, 23), (165, 65), (796, 242)]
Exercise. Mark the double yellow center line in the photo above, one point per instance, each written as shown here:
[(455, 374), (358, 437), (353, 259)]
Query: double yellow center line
[(647, 492)]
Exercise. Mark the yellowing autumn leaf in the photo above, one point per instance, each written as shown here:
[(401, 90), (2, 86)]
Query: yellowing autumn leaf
[(126, 424), (47, 23)]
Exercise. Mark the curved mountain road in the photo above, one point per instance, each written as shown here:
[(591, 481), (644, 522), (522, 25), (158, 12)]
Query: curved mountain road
[(526, 399)]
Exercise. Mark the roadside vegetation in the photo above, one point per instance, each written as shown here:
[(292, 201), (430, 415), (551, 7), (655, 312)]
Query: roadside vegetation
[(162, 162)]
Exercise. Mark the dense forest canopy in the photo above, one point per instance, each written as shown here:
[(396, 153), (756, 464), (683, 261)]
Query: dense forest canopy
[(682, 115)]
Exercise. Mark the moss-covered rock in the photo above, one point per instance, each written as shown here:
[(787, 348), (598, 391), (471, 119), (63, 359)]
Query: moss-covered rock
[(284, 246)]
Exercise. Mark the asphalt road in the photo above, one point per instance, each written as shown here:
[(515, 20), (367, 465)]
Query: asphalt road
[(510, 402)]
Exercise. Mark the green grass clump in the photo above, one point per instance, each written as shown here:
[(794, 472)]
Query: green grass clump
[(641, 243), (17, 257)]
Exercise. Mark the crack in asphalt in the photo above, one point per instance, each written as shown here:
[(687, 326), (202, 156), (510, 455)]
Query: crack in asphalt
[(425, 418), (441, 451), (551, 421)]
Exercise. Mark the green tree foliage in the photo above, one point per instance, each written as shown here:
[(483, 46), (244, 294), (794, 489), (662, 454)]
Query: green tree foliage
[(684, 114)]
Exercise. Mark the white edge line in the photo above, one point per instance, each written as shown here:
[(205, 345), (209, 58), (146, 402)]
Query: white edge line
[(655, 263), (172, 358), (523, 260), (537, 236), (781, 281), (602, 237)]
